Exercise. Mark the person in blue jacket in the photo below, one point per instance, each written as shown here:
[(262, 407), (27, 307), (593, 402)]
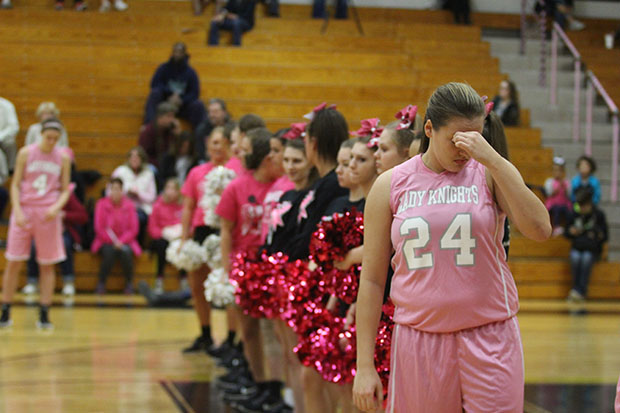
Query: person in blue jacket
[(176, 82), (586, 167)]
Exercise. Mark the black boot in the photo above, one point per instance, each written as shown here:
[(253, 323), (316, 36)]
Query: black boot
[(269, 400)]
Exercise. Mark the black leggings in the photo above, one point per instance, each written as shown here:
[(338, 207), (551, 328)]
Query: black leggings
[(109, 255)]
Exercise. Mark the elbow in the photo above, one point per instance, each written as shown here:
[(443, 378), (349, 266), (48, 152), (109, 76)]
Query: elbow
[(541, 232)]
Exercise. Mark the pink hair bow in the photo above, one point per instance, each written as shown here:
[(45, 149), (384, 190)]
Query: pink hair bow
[(370, 127), (297, 130), (406, 116), (488, 108), (317, 109)]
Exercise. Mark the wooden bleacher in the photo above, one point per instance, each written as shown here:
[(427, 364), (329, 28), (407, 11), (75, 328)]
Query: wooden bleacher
[(97, 68)]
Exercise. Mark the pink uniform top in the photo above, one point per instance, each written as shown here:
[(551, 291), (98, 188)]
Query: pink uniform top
[(40, 184), (279, 187), (242, 203), (195, 185), (450, 270)]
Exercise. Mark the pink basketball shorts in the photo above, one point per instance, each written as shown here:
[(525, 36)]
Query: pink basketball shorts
[(475, 370), (47, 235)]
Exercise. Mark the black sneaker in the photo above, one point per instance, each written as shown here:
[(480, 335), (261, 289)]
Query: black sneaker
[(269, 400), (5, 318), (221, 351), (233, 360), (200, 344), (245, 389), (230, 381), (44, 322)]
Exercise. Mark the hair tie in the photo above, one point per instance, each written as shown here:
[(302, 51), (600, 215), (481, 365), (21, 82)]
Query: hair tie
[(406, 116), (488, 108), (297, 130), (370, 127), (317, 109)]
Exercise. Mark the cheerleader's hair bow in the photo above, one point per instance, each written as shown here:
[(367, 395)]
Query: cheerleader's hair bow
[(317, 109), (488, 108), (297, 130), (406, 117), (370, 127)]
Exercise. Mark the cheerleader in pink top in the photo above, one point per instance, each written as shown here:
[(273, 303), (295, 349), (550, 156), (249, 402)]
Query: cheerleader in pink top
[(456, 344), (39, 191)]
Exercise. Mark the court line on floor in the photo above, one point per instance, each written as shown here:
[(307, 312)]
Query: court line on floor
[(177, 397)]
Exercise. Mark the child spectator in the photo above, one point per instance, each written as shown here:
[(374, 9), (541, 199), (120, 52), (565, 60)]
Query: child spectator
[(46, 110), (138, 184), (165, 226), (116, 229), (586, 167), (557, 191), (587, 228), (73, 215)]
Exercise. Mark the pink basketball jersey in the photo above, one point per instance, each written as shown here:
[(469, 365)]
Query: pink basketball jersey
[(450, 270), (40, 185)]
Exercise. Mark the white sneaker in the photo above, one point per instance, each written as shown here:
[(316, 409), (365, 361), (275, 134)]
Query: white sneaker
[(575, 296), (68, 289), (105, 6), (29, 289), (120, 5), (576, 25)]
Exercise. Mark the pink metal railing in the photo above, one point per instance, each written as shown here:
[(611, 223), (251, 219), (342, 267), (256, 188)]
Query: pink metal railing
[(592, 85)]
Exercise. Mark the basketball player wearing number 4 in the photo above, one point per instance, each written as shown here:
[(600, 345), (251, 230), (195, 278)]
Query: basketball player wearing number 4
[(456, 344), (39, 191)]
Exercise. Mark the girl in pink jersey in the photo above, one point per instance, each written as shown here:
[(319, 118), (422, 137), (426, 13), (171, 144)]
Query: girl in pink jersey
[(194, 223), (39, 191), (456, 343)]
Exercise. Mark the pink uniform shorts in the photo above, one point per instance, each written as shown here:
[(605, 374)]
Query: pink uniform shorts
[(475, 370), (47, 235)]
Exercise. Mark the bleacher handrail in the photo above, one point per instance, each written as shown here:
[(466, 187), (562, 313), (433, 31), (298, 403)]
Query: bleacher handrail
[(593, 84)]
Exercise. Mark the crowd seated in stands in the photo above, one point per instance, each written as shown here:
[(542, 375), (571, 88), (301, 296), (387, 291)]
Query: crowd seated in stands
[(160, 135), (176, 82), (179, 159), (237, 17)]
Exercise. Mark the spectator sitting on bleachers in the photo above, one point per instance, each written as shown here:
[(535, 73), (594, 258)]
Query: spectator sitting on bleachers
[(176, 82), (79, 5), (46, 110), (165, 226), (557, 191), (160, 135), (237, 16), (9, 126), (586, 167), (587, 228), (179, 159), (217, 115), (116, 231), (74, 216), (138, 184), (506, 103), (119, 5), (562, 13)]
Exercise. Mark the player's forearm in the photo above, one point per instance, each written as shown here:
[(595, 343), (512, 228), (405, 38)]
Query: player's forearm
[(367, 316)]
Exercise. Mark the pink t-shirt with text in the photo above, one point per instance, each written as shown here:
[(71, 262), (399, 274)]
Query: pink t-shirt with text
[(242, 203)]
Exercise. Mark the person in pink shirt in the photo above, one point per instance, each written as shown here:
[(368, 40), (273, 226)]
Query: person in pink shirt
[(241, 212), (165, 226), (39, 191), (456, 343), (116, 232), (557, 190), (196, 225)]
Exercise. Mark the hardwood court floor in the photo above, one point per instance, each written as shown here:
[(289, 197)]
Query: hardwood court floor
[(119, 356)]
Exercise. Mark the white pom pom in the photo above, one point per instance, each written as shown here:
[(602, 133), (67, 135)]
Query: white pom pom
[(218, 289), (189, 256), (212, 186), (212, 246)]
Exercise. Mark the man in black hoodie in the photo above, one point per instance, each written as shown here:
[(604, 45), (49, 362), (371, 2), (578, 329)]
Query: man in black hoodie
[(176, 82)]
